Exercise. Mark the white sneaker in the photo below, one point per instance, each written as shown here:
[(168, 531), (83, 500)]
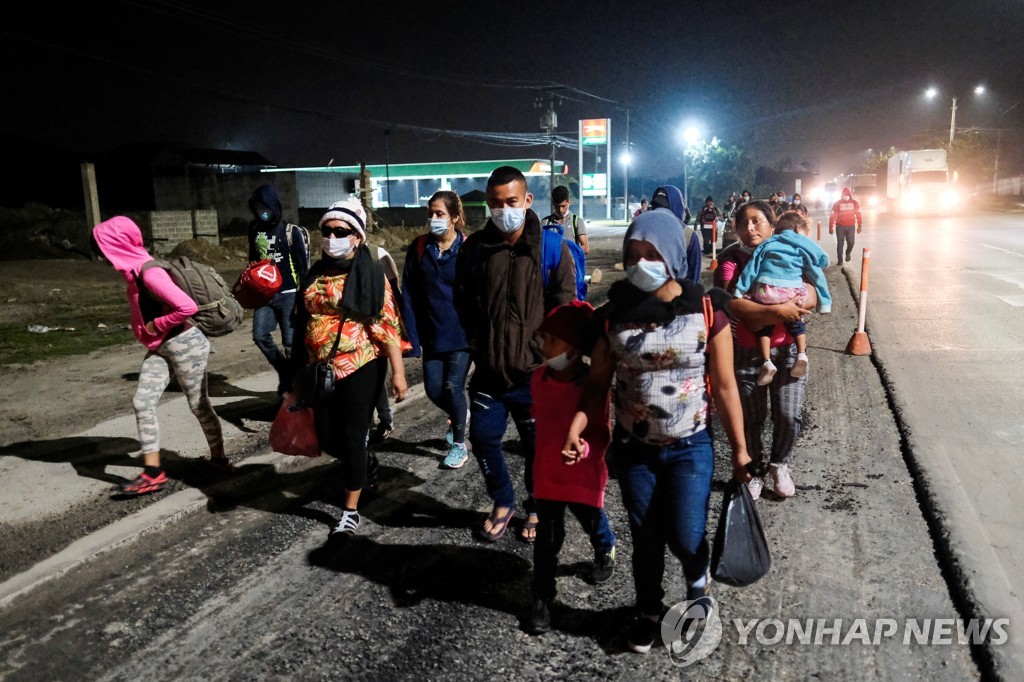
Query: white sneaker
[(766, 373), (782, 481), (596, 276), (755, 486), (348, 524), (800, 366)]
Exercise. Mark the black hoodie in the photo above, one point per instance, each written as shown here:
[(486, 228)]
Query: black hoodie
[(270, 240)]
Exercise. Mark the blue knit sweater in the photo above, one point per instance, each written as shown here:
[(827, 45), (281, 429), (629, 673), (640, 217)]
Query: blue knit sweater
[(784, 260)]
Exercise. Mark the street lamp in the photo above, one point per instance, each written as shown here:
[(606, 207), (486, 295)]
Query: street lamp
[(627, 159), (932, 92), (690, 136)]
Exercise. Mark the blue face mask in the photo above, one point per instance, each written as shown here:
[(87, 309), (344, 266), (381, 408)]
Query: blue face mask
[(647, 275), (508, 219), (439, 227)]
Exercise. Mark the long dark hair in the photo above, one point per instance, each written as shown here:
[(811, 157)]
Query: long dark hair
[(758, 204)]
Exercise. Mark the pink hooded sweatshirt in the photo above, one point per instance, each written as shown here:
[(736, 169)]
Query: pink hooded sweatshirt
[(120, 240)]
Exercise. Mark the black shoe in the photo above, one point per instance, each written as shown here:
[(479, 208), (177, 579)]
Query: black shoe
[(847, 258), (604, 567), (381, 433), (641, 634), (539, 621)]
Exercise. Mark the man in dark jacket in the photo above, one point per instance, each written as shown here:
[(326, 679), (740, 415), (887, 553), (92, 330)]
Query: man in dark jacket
[(501, 299), (670, 198), (708, 218), (269, 238), (844, 219)]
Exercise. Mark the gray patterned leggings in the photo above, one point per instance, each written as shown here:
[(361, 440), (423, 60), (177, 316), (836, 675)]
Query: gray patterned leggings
[(186, 354)]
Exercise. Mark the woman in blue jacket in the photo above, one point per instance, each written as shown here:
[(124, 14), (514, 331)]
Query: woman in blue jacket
[(430, 319)]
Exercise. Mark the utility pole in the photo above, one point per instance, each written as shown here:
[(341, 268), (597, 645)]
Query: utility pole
[(92, 199), (952, 123), (366, 194), (628, 160), (549, 124), (387, 165), (995, 170)]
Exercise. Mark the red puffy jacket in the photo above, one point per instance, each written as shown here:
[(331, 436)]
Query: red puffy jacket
[(845, 213)]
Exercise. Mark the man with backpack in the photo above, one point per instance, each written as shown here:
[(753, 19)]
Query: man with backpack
[(574, 228), (501, 295), (287, 246)]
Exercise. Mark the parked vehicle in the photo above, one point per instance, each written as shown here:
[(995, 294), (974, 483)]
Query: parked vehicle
[(865, 188)]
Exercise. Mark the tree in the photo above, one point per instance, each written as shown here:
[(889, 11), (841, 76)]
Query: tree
[(715, 169)]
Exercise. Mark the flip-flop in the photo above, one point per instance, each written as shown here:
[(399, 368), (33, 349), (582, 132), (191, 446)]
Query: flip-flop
[(503, 520), (529, 525)]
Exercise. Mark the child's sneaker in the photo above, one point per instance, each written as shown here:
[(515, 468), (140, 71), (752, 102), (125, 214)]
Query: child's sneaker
[(604, 567), (766, 373), (457, 456), (539, 621), (800, 366), (755, 486), (783, 482), (143, 485)]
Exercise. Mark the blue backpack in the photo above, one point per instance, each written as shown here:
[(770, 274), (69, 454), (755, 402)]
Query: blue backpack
[(551, 254)]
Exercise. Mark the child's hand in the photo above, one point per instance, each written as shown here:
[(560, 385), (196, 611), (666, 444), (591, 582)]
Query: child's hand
[(575, 450)]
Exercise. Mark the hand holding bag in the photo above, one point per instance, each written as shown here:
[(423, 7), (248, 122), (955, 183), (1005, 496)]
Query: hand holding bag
[(294, 433), (739, 555)]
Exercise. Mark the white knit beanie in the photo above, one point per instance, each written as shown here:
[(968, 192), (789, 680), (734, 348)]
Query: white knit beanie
[(349, 211)]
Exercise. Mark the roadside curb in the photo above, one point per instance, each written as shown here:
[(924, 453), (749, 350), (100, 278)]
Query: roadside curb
[(161, 514), (955, 531)]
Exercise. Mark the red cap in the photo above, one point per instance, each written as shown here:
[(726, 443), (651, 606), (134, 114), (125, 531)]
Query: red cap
[(571, 323)]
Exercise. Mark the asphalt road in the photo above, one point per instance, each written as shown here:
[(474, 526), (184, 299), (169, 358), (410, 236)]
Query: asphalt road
[(946, 320), (247, 588)]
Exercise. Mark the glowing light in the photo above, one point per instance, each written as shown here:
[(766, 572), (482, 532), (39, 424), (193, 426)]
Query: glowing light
[(931, 92)]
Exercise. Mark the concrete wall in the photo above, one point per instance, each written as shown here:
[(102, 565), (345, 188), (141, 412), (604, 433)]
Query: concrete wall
[(227, 194), (168, 228)]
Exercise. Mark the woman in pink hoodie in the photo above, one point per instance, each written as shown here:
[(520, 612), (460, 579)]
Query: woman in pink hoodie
[(160, 313)]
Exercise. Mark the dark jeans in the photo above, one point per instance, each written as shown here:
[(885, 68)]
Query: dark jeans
[(444, 378), (708, 234), (665, 490), (342, 423), (489, 419), (847, 234), (551, 535), (794, 329), (264, 321)]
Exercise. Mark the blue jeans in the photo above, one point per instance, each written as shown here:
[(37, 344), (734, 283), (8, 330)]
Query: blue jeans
[(666, 490), (264, 321), (551, 535), (444, 378), (489, 419)]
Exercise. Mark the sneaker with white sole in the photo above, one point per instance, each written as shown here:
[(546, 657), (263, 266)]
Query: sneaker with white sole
[(755, 486), (800, 366), (642, 633), (766, 373), (782, 481), (456, 457)]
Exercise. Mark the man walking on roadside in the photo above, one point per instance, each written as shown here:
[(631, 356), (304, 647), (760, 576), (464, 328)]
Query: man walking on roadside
[(501, 298), (845, 218), (573, 227), (269, 238)]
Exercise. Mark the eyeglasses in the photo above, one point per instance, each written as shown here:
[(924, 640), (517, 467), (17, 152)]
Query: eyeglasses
[(336, 231)]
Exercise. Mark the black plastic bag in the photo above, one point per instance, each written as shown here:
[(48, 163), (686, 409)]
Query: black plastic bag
[(739, 556)]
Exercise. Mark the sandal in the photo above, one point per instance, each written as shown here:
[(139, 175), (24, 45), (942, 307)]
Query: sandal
[(503, 520), (529, 525)]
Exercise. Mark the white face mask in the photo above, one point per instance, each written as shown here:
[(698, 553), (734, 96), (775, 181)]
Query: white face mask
[(336, 247), (438, 226), (647, 275), (846, 197), (559, 362), (796, 202), (508, 219)]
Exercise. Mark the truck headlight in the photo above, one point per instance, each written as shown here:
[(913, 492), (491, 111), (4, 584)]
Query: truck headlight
[(950, 198)]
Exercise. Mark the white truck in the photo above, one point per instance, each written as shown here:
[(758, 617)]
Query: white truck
[(864, 186), (919, 183)]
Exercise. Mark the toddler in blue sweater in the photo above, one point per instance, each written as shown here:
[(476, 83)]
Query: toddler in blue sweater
[(776, 274)]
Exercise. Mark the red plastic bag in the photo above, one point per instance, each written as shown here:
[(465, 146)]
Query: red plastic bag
[(257, 284), (294, 433)]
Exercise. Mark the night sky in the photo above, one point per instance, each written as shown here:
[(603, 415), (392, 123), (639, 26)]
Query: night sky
[(304, 83)]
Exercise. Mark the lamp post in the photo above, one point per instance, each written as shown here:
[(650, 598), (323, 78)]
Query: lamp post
[(932, 93), (627, 159), (690, 136)]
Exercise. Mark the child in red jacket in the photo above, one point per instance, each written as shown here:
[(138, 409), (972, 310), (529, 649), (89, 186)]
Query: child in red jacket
[(559, 481)]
